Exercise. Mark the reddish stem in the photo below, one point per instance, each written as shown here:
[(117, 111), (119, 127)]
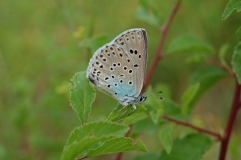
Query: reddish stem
[(158, 55), (83, 157), (194, 127), (229, 126)]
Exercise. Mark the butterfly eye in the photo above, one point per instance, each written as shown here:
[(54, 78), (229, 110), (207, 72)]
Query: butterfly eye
[(139, 56), (130, 71), (136, 65), (135, 52)]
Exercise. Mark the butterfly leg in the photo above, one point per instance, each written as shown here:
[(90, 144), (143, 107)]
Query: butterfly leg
[(121, 108), (134, 106)]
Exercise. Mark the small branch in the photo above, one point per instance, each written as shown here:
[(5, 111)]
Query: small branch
[(231, 119), (83, 157), (158, 55), (218, 136), (227, 69), (119, 155)]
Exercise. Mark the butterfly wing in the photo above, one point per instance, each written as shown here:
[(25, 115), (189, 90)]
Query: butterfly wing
[(134, 42), (115, 70), (112, 70)]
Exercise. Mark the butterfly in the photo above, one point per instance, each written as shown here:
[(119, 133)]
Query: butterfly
[(119, 67)]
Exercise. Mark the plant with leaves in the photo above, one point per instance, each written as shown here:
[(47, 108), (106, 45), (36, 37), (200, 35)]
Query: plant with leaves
[(117, 133)]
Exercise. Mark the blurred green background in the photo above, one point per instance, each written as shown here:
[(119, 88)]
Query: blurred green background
[(43, 44)]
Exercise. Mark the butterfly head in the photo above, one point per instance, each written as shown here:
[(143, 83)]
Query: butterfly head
[(141, 98)]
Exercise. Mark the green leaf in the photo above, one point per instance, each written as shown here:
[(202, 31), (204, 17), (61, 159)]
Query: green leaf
[(151, 156), (78, 148), (134, 118), (149, 5), (189, 43), (148, 12), (187, 98), (166, 139), (97, 138), (222, 54), (154, 108), (172, 109), (236, 62), (82, 95), (192, 147), (121, 112), (143, 15), (196, 58), (144, 125), (120, 144), (155, 116), (154, 104), (97, 129), (233, 5), (95, 42), (206, 77)]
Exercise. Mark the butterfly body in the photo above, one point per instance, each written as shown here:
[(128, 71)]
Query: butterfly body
[(118, 68)]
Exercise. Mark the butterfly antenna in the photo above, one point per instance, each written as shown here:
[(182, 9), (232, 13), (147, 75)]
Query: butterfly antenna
[(152, 94)]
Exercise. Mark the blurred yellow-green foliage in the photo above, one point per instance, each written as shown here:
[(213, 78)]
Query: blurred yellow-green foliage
[(41, 47)]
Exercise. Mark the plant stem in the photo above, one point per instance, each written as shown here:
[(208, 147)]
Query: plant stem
[(218, 136), (83, 157), (158, 54), (229, 126)]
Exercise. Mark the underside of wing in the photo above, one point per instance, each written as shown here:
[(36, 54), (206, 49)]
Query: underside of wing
[(112, 70), (134, 43)]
